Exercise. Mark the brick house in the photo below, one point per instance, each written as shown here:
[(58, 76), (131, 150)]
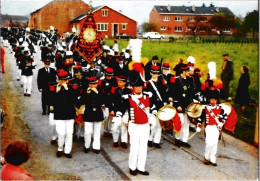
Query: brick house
[(109, 22), (57, 13), (181, 20)]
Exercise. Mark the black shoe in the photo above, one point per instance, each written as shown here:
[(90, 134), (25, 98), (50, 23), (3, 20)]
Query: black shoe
[(206, 162), (106, 134), (150, 143), (184, 144), (59, 154), (177, 142), (86, 150), (53, 142), (96, 151), (124, 145), (28, 95), (213, 164), (43, 113), (192, 129), (157, 145), (143, 173), (18, 79), (25, 95), (133, 172), (68, 155), (115, 144)]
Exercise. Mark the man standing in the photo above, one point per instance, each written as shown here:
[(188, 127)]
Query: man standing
[(182, 96), (46, 77), (147, 67), (227, 75)]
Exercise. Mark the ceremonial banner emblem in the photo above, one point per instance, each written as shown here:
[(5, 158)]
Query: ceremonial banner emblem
[(89, 45)]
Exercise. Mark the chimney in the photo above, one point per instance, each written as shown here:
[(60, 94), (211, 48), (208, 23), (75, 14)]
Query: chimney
[(193, 8), (217, 9), (169, 8)]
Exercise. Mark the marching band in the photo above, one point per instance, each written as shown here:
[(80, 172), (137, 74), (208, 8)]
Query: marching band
[(119, 92)]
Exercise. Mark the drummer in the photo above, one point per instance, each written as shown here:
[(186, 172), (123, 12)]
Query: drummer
[(182, 96), (157, 86), (215, 117)]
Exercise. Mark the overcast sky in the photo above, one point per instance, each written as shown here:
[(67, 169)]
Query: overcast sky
[(137, 10)]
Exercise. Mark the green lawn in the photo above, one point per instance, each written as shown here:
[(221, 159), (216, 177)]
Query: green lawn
[(240, 54)]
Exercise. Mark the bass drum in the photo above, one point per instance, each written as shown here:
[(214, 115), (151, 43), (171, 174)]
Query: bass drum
[(194, 111), (165, 116)]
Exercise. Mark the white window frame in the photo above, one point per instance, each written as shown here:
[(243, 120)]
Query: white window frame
[(124, 26), (163, 28), (188, 29), (178, 18), (105, 12), (190, 19), (102, 26), (227, 30), (178, 29), (166, 18), (206, 19)]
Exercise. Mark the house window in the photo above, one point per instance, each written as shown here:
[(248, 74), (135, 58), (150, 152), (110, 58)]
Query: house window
[(213, 29), (226, 30), (104, 12), (124, 26), (178, 29), (188, 28), (166, 18), (163, 28), (190, 19), (204, 19), (102, 27), (178, 18)]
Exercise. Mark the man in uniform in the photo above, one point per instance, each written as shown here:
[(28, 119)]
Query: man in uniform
[(157, 86), (73, 38), (147, 67), (181, 97), (120, 122), (227, 75), (46, 77)]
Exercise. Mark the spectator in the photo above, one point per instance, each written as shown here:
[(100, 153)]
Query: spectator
[(242, 95), (16, 154)]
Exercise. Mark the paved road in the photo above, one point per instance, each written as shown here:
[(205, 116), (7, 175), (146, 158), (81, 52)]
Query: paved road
[(236, 161)]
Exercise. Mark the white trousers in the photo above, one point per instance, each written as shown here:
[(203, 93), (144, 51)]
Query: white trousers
[(139, 134), (119, 125), (92, 128), (156, 131), (18, 73), (212, 134), (64, 129), (184, 133), (27, 84)]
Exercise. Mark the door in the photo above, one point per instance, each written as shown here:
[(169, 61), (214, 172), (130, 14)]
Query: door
[(115, 30)]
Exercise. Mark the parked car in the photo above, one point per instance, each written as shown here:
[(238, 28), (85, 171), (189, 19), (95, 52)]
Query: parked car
[(153, 35), (124, 36)]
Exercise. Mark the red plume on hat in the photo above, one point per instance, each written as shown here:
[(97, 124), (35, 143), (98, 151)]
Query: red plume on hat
[(138, 67)]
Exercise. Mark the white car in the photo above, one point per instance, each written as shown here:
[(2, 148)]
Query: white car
[(153, 35)]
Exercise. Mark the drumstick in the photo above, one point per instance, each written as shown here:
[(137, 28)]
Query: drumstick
[(192, 135)]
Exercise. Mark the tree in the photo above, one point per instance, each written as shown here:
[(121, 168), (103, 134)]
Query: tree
[(150, 27), (198, 24), (251, 24), (222, 21)]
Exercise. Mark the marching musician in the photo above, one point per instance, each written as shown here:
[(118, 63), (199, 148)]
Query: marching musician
[(18, 55), (120, 68), (120, 122), (27, 66), (147, 67), (138, 127), (157, 86), (73, 38), (182, 96), (91, 102), (52, 36), (106, 85), (215, 118), (63, 101)]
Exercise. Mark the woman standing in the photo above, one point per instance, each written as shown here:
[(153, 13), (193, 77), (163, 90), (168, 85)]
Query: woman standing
[(242, 95)]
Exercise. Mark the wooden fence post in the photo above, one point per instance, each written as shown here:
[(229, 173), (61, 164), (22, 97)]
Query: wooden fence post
[(256, 127)]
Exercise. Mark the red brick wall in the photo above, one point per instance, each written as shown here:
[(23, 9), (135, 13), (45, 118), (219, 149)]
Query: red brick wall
[(58, 14), (113, 17)]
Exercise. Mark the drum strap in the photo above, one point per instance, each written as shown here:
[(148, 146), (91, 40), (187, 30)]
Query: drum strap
[(213, 115), (154, 87)]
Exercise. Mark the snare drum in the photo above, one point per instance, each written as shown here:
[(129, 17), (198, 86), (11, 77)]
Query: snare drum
[(194, 111), (165, 115)]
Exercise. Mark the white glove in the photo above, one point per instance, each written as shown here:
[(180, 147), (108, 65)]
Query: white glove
[(99, 61), (125, 96), (154, 112), (118, 114), (220, 125), (198, 129)]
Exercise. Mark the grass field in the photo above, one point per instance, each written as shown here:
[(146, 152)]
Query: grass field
[(240, 54)]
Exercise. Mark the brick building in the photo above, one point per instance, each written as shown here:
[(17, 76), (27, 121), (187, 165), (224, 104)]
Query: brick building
[(109, 22), (14, 21), (57, 13), (180, 20)]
